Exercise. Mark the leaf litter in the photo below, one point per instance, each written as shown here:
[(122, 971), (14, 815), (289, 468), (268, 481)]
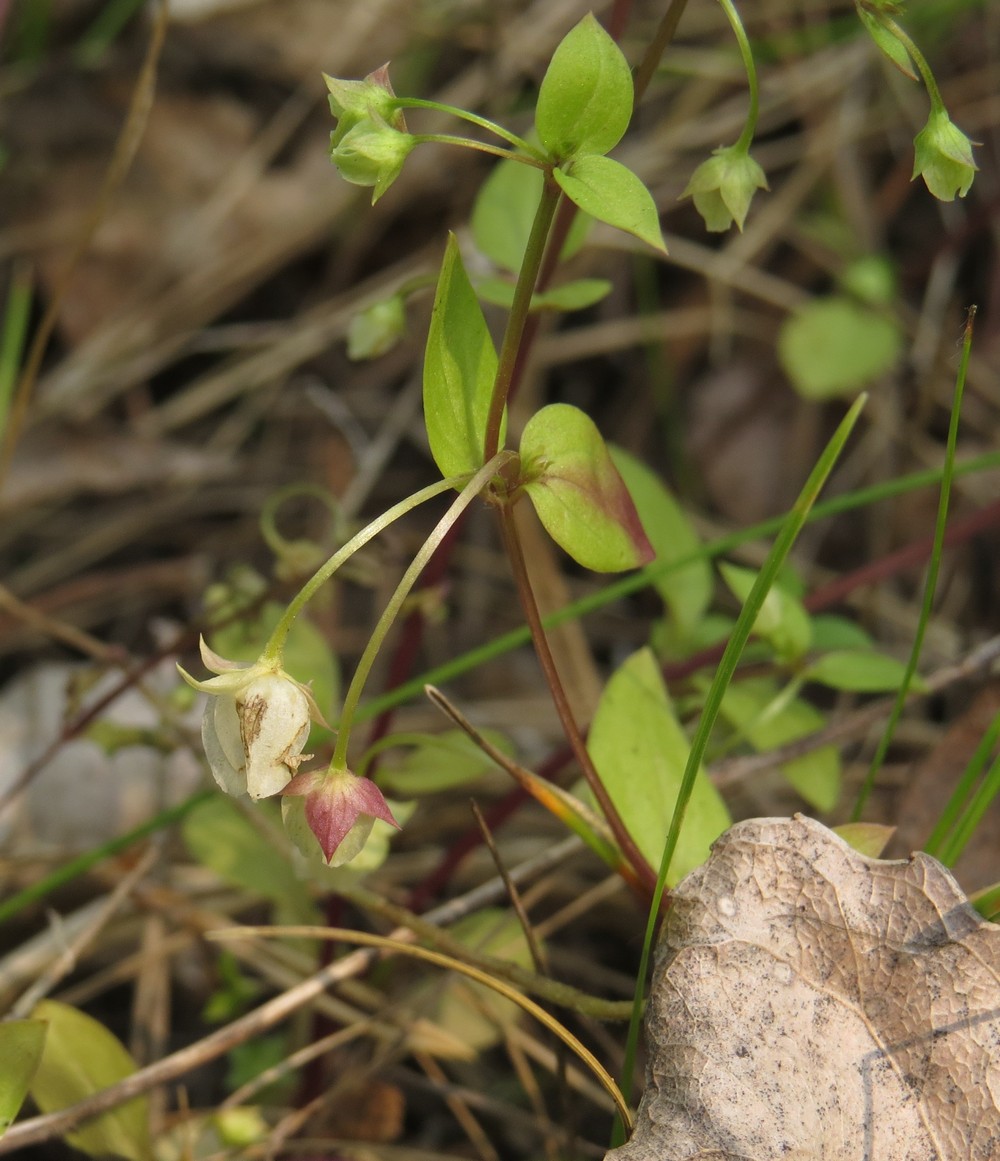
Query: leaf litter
[(811, 1002)]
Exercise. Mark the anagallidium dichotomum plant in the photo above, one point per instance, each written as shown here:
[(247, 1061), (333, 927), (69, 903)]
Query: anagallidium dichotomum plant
[(257, 721)]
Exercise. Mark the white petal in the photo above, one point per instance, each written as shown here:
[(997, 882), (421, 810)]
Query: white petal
[(274, 724), (220, 735)]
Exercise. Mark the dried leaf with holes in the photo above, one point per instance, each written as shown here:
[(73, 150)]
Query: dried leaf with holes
[(810, 1002)]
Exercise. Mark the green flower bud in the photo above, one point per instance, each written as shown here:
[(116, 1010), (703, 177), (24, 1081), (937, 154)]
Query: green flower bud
[(352, 102), (377, 329), (942, 156), (723, 187), (372, 153)]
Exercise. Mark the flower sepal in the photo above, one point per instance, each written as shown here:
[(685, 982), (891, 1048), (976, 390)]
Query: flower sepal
[(352, 102), (339, 809)]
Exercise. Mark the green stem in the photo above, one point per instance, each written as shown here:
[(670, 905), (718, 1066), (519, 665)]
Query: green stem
[(473, 119), (746, 137), (930, 586), (519, 310), (395, 603), (273, 649), (904, 38), (515, 554), (792, 526), (481, 146)]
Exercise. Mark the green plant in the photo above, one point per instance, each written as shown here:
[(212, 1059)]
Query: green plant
[(648, 809)]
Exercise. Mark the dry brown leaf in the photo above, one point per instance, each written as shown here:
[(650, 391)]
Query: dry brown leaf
[(810, 1002)]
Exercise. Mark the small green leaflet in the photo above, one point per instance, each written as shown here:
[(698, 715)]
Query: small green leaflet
[(460, 365), (640, 751), (80, 1058), (21, 1044), (610, 192), (585, 102), (833, 347), (577, 491)]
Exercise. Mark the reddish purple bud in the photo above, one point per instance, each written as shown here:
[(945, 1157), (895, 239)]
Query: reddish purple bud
[(340, 810)]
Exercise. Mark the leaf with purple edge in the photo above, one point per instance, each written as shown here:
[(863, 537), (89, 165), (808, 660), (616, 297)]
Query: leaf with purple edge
[(578, 493)]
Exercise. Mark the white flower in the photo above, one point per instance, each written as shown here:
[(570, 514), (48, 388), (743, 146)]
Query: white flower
[(255, 724)]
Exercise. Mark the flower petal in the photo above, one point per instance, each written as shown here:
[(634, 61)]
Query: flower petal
[(220, 735), (274, 725)]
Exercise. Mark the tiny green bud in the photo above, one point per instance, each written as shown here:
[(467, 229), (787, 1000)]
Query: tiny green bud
[(942, 156), (371, 154), (723, 187), (354, 101), (376, 329)]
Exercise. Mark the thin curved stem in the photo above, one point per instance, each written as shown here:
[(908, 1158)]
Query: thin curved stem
[(479, 146), (904, 38), (273, 649), (473, 119), (395, 603), (746, 137)]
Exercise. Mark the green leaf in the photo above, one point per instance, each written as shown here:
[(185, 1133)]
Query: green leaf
[(575, 295), (505, 211), (80, 1058), (887, 43), (608, 191), (833, 347), (220, 836), (439, 762), (585, 102), (833, 632), (782, 621), (460, 366), (640, 750), (815, 776), (870, 838), (21, 1045), (871, 279), (857, 670), (577, 491), (686, 591)]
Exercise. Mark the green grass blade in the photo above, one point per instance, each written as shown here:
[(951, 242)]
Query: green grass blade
[(972, 816), (960, 795), (790, 529), (930, 587), (12, 336)]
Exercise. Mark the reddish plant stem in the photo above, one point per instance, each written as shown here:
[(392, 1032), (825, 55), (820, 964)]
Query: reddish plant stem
[(515, 554)]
